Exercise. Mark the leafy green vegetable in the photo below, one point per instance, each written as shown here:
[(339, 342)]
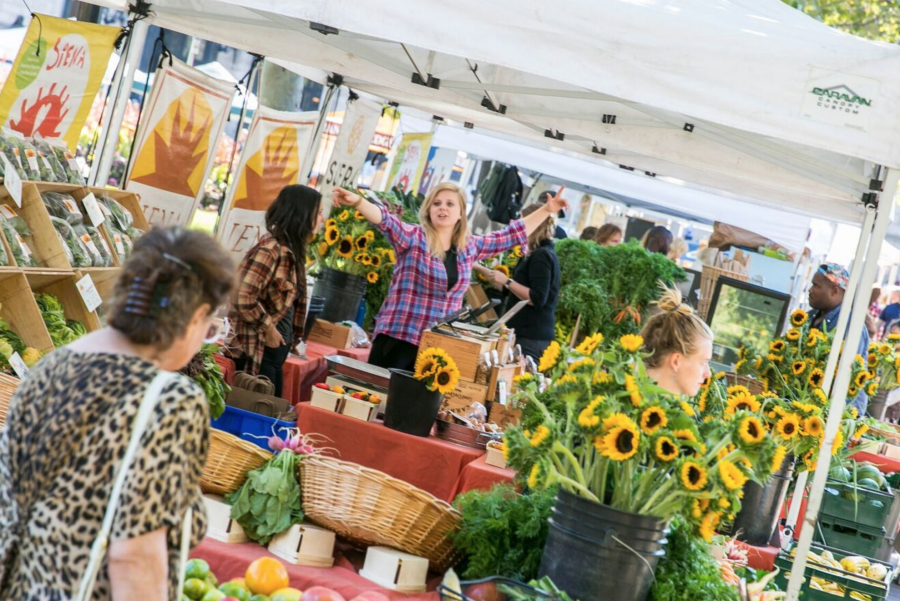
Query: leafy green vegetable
[(688, 572), (103, 258), (204, 370), (14, 230), (502, 532), (76, 251), (67, 161), (544, 584), (121, 216), (61, 331), (49, 163), (269, 501)]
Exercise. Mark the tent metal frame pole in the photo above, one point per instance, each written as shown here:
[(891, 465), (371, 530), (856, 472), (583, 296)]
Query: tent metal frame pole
[(790, 527), (122, 88), (858, 312)]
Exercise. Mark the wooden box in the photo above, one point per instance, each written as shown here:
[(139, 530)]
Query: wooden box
[(330, 334), (48, 251), (304, 545), (504, 416), (19, 309), (464, 350), (327, 400), (356, 387), (359, 409), (465, 394), (395, 570), (221, 527), (891, 451), (506, 373), (495, 457), (61, 284), (129, 200)]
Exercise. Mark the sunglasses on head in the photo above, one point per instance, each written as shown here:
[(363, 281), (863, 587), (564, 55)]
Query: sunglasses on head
[(219, 329)]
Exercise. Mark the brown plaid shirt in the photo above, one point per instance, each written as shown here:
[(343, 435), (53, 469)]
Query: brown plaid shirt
[(268, 285)]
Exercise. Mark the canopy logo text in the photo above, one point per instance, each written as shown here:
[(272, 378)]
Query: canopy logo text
[(841, 98)]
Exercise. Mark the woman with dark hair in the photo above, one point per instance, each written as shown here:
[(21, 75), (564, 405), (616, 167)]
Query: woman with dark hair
[(269, 306), (71, 420), (588, 233), (609, 235)]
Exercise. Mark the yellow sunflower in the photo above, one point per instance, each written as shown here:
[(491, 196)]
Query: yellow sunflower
[(565, 379), (793, 335), (617, 420), (701, 402), (873, 360), (652, 419), (799, 317), (852, 391), (587, 418), (589, 344), (323, 248), (372, 277), (375, 261), (813, 426), (732, 476), (776, 346), (684, 434), (331, 235), (688, 410), (359, 217), (751, 430), (778, 458), (633, 391), (884, 349), (534, 475), (774, 358), (861, 431), (709, 524), (621, 443), (392, 258), (331, 223), (601, 377), (517, 250), (426, 364), (693, 475), (805, 407), (872, 388), (503, 269), (631, 343), (838, 443), (820, 396), (583, 362), (739, 365), (345, 247), (788, 426), (860, 379), (816, 377), (665, 449), (798, 367), (897, 363), (737, 389), (742, 402), (894, 337), (550, 357), (541, 434), (344, 216), (362, 243)]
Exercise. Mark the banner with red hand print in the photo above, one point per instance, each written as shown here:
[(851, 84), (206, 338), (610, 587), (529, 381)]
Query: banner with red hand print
[(177, 140), (276, 145), (55, 78)]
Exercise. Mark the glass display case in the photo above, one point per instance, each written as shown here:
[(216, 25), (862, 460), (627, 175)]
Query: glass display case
[(743, 314)]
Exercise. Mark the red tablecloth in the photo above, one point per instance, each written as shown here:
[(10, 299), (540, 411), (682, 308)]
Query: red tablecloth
[(360, 354), (229, 561), (227, 367), (428, 463), (301, 374), (760, 558), (478, 475)]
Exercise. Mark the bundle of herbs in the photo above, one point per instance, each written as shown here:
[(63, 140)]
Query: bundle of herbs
[(62, 332), (204, 370)]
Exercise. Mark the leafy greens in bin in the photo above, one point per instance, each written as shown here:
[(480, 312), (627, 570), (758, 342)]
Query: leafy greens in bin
[(25, 154), (62, 332), (51, 169), (67, 160), (62, 206), (122, 217), (104, 257), (77, 252), (15, 230)]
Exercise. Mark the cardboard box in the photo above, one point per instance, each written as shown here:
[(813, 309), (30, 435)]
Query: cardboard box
[(330, 334), (465, 394), (504, 416), (358, 409), (505, 373), (305, 545), (465, 350), (891, 451), (221, 527), (327, 400), (395, 570)]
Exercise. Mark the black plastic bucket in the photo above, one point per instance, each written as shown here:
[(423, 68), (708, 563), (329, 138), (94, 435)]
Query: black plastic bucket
[(757, 520), (343, 292), (313, 312), (586, 553), (411, 408)]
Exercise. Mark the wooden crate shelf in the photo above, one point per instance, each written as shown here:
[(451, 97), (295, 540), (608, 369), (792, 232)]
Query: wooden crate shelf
[(62, 286), (19, 309)]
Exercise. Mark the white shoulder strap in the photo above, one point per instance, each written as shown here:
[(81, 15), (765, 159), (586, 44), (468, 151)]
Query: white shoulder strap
[(98, 549)]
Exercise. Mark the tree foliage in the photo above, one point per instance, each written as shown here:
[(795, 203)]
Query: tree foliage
[(872, 19)]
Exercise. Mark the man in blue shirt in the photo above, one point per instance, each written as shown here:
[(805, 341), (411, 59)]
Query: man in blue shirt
[(826, 295), (890, 313)]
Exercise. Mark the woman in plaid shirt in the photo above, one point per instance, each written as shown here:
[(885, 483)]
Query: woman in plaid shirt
[(434, 264)]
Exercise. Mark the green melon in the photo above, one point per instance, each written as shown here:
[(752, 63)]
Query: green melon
[(868, 483)]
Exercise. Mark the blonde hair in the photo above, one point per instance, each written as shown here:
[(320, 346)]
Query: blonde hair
[(676, 329), (460, 233), (544, 231)]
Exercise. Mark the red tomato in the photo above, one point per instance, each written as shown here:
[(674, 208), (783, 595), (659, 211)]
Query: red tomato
[(323, 386), (320, 593), (484, 592)]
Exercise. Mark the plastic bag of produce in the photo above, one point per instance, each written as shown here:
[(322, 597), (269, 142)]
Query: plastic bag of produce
[(15, 230), (25, 153), (78, 253), (62, 206), (118, 240), (94, 252), (106, 256), (68, 162), (48, 162), (11, 152), (120, 215)]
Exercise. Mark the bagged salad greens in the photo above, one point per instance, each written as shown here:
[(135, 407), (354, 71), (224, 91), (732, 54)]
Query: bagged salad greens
[(62, 206), (105, 258), (25, 153), (51, 169), (11, 152), (67, 161), (76, 250), (15, 230)]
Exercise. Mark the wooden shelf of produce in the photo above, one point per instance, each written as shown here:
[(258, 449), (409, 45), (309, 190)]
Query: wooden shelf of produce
[(48, 250), (129, 200), (61, 284), (104, 279), (19, 309)]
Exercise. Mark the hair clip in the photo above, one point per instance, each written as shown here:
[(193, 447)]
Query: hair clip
[(178, 261), (139, 301)]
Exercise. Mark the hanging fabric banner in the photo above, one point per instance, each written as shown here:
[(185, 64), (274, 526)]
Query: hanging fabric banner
[(276, 146), (439, 168), (55, 78), (351, 147), (409, 163), (177, 140)]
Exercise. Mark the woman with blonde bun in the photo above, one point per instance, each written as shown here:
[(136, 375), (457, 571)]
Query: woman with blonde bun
[(680, 343)]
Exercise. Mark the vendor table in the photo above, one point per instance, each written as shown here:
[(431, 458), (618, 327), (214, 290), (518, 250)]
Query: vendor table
[(228, 561), (478, 475), (431, 464), (227, 367), (885, 464)]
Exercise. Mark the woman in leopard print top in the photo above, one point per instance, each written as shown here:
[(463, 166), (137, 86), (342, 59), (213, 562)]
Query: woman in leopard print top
[(70, 421)]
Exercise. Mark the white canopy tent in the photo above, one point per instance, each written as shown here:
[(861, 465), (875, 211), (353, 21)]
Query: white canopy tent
[(747, 97)]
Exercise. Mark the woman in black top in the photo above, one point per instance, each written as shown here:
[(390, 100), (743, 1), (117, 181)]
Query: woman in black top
[(535, 279)]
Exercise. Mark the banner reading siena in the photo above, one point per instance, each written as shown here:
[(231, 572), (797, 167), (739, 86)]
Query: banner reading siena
[(55, 78), (177, 141), (276, 145)]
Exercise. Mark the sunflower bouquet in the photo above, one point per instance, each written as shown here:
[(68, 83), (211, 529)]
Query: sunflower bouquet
[(437, 370), (505, 263), (884, 361), (604, 431)]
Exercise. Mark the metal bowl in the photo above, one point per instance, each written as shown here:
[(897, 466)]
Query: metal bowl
[(370, 374), (463, 435)]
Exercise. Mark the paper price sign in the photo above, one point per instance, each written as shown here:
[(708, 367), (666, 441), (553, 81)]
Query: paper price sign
[(89, 293), (18, 365), (93, 209), (12, 181)]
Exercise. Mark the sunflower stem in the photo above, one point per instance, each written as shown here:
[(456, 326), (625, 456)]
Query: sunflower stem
[(583, 490), (562, 450), (661, 490)]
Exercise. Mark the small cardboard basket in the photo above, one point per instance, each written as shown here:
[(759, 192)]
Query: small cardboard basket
[(304, 545), (395, 570)]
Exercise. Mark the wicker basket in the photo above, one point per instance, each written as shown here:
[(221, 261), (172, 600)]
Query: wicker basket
[(708, 278), (229, 460), (8, 386), (371, 508), (754, 386)]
